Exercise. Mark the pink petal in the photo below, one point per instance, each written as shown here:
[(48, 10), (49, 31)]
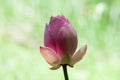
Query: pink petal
[(67, 40), (50, 56), (48, 39), (78, 55), (61, 17), (55, 24)]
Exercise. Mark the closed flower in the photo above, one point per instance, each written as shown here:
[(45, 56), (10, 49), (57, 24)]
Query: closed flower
[(60, 43)]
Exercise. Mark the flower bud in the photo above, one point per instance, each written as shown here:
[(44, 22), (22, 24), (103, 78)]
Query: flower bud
[(60, 40)]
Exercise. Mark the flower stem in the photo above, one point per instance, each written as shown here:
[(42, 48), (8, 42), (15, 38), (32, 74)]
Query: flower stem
[(65, 71)]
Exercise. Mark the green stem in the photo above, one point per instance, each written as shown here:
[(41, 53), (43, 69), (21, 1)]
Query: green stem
[(65, 71)]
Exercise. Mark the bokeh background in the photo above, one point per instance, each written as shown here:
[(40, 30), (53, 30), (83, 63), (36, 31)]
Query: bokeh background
[(22, 23)]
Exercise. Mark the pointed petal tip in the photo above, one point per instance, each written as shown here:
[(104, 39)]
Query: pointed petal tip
[(70, 65), (85, 45), (84, 49), (41, 48), (51, 17)]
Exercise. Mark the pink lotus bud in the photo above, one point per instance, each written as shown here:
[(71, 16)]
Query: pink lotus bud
[(60, 42)]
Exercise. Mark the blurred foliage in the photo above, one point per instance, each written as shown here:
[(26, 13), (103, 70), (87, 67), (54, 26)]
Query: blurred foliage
[(22, 22)]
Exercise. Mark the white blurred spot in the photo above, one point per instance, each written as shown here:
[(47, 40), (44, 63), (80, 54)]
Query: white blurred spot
[(115, 12), (100, 8)]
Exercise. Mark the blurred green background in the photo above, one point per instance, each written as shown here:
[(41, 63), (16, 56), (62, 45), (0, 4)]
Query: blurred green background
[(22, 23)]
